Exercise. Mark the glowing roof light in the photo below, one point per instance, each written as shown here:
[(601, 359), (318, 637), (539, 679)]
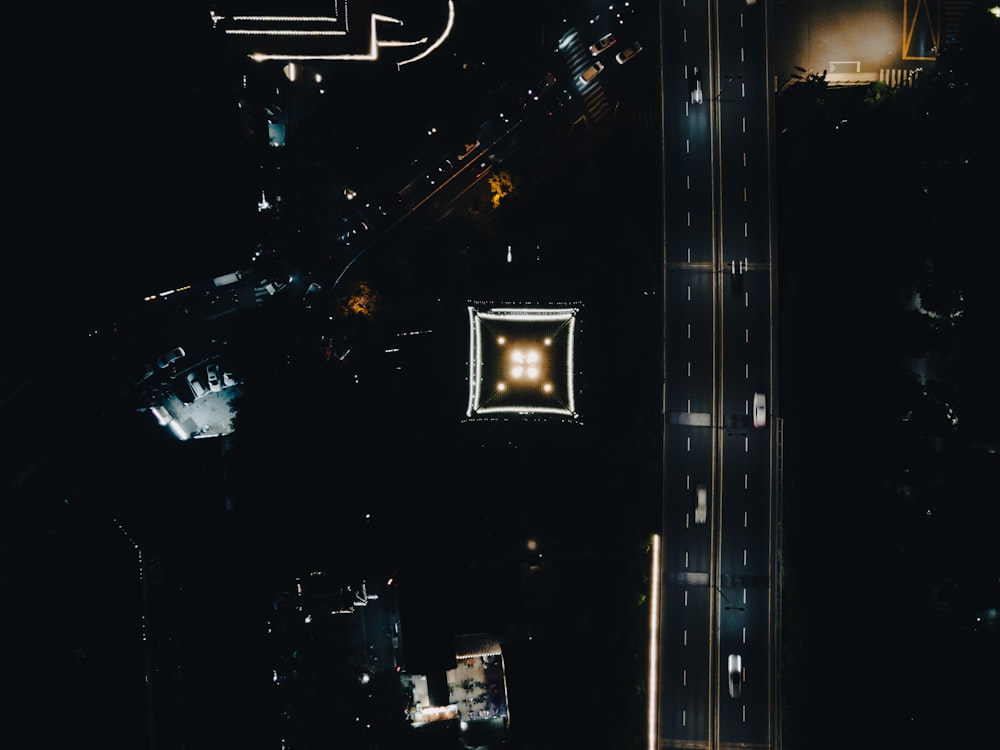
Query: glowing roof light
[(543, 382)]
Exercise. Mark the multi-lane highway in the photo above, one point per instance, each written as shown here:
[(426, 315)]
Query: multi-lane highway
[(717, 583)]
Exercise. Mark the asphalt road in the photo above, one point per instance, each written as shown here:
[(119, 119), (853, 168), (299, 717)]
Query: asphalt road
[(716, 597)]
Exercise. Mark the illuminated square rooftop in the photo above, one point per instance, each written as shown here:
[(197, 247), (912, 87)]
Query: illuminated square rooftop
[(521, 361)]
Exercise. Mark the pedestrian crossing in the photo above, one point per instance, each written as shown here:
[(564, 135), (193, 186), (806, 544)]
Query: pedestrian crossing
[(578, 59)]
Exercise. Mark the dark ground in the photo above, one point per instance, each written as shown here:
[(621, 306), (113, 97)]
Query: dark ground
[(117, 215)]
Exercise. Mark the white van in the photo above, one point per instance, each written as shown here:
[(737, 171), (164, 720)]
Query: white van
[(227, 278)]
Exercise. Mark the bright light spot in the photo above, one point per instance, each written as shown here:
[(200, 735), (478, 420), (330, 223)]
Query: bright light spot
[(652, 740), (548, 341), (501, 387), (525, 364), (501, 340), (365, 678), (547, 387), (532, 545)]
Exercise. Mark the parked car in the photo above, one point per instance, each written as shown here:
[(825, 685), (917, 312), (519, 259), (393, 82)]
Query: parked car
[(197, 389), (165, 360), (542, 86), (591, 73), (602, 44), (735, 675), (628, 53), (227, 278), (214, 383), (759, 410)]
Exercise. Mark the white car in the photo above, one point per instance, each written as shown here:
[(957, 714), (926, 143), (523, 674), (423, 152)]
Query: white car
[(169, 358), (759, 410), (602, 44), (735, 675), (591, 73), (697, 97), (701, 509), (197, 389), (214, 383), (628, 53)]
